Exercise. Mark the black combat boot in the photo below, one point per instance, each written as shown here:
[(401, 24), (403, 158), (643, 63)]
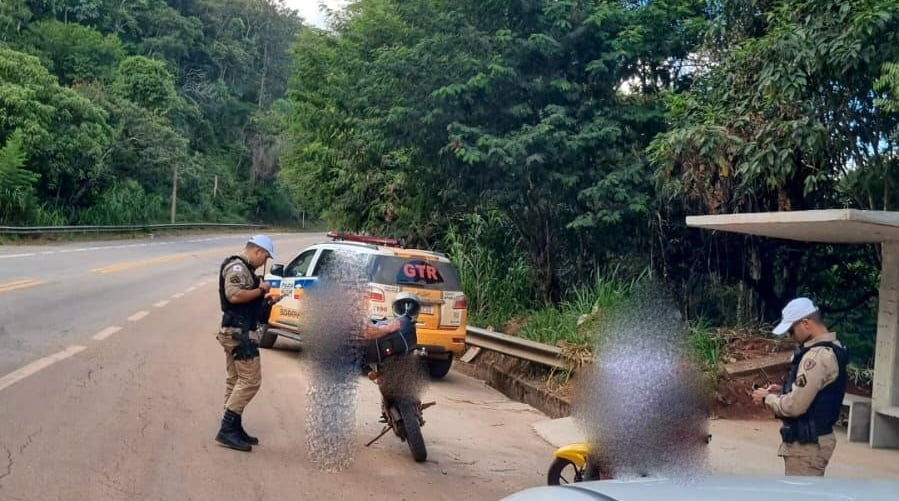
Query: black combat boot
[(229, 435), (243, 433)]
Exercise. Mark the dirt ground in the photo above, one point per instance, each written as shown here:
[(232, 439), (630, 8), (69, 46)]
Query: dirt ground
[(741, 447), (749, 448)]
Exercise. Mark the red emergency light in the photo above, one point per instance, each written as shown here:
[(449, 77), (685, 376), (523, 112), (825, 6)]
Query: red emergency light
[(365, 239)]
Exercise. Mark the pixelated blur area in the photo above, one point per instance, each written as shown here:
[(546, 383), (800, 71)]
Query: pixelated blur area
[(332, 321), (644, 405)]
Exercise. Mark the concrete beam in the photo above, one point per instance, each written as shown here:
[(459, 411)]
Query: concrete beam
[(831, 226), (885, 428)]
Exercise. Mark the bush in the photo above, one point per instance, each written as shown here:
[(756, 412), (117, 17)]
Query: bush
[(126, 203)]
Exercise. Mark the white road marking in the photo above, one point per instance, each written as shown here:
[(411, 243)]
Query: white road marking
[(191, 289), (131, 246), (178, 295), (105, 333), (137, 316), (161, 303), (40, 364), (17, 255)]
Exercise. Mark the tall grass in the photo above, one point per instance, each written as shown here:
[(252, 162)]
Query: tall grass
[(493, 269), (705, 345), (502, 286), (556, 324)]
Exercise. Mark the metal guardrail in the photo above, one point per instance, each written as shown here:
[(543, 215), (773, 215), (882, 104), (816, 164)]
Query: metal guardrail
[(40, 230), (517, 347)]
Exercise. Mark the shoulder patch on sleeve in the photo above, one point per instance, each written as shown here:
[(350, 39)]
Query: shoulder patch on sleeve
[(234, 279), (801, 381), (237, 268), (809, 364)]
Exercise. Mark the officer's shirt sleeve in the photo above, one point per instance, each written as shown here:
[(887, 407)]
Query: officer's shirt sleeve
[(817, 369), (237, 278)]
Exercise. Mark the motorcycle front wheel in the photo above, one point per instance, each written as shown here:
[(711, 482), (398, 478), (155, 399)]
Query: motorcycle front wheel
[(412, 430), (563, 472)]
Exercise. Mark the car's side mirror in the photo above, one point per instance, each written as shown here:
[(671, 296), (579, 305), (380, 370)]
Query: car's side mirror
[(277, 270)]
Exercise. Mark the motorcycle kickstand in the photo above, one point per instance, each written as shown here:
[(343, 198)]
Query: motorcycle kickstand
[(383, 432)]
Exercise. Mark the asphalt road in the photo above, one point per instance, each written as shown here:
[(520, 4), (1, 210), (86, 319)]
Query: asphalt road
[(111, 382), (54, 296)]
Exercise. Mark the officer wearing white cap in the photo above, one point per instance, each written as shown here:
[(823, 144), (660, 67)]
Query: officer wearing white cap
[(242, 296), (811, 397)]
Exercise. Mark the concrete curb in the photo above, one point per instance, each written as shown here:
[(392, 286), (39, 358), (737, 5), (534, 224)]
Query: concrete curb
[(517, 388)]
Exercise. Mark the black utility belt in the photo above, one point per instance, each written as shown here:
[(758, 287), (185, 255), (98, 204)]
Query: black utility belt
[(803, 432), (236, 322)]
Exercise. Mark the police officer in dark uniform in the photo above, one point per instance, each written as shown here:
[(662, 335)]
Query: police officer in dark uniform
[(810, 400), (244, 305)]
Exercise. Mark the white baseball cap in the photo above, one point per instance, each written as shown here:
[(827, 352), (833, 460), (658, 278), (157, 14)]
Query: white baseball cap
[(264, 242), (793, 312)]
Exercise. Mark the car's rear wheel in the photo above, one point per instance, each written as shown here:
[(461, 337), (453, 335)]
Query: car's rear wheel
[(438, 368)]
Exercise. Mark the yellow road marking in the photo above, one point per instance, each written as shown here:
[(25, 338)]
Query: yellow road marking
[(19, 284)]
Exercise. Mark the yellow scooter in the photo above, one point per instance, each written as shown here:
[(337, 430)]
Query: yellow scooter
[(570, 465)]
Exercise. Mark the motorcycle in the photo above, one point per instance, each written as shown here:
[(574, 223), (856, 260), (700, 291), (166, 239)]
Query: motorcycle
[(401, 412)]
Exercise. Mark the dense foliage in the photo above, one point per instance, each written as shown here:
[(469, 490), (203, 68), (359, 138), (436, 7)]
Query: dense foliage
[(102, 102), (543, 141)]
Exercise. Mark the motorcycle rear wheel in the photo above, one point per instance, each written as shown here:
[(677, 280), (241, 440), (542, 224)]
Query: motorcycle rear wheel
[(412, 430)]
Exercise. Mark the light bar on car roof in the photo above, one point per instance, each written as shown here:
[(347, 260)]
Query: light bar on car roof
[(352, 237)]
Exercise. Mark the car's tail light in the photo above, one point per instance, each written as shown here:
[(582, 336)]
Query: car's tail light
[(461, 303), (376, 295)]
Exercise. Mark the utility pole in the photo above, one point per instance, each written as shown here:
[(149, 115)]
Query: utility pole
[(174, 192), (215, 188)]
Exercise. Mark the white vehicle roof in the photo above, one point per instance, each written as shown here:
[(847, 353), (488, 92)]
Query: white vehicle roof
[(364, 248)]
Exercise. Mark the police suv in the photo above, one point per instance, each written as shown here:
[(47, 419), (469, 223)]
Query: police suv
[(390, 269)]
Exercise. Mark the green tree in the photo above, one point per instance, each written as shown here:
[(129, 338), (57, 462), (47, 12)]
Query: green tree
[(784, 117), (74, 52), (14, 16), (66, 137), (147, 83), (16, 183), (415, 114)]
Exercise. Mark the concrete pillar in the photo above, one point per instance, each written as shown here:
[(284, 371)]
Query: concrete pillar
[(885, 397), (859, 422)]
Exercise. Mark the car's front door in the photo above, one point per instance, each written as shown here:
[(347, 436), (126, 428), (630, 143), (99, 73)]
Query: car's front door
[(286, 313)]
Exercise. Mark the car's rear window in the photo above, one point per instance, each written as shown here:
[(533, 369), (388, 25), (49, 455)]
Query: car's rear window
[(417, 272)]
